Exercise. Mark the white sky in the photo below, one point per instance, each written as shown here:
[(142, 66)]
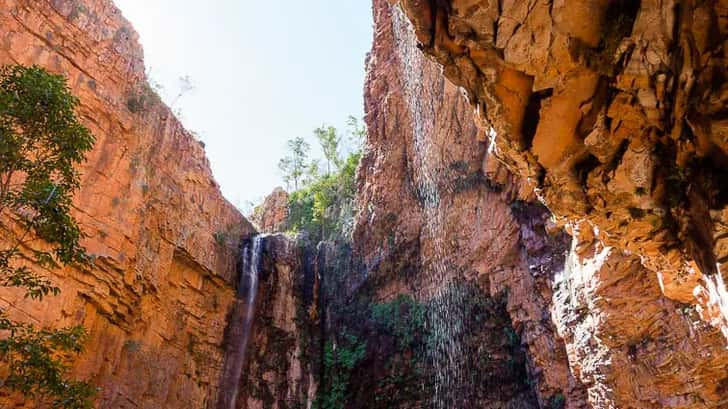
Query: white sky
[(264, 71)]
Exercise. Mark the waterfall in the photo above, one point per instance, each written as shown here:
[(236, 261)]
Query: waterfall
[(241, 322), (717, 301), (445, 319), (248, 284)]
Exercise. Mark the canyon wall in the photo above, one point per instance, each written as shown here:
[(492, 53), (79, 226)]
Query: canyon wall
[(282, 369), (613, 112), (441, 197), (435, 206), (164, 241), (589, 303)]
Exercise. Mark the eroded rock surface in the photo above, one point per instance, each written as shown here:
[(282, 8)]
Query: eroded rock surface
[(613, 111), (272, 215), (632, 346), (600, 332), (429, 214), (284, 359), (155, 300)]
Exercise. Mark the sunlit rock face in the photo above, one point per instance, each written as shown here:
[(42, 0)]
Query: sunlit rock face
[(631, 345), (599, 329), (155, 300), (271, 216), (613, 111), (436, 207)]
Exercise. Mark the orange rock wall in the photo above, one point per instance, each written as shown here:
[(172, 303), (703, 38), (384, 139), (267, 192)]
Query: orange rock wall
[(155, 301), (613, 111), (598, 327), (428, 214)]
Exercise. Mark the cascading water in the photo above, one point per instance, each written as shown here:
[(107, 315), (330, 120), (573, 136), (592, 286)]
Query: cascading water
[(241, 322), (445, 319), (718, 300)]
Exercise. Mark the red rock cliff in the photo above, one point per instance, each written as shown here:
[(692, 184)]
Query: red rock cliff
[(155, 301), (613, 111), (600, 328)]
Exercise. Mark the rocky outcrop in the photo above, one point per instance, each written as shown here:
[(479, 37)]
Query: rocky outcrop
[(155, 300), (630, 344), (284, 358), (460, 286), (612, 111), (272, 215)]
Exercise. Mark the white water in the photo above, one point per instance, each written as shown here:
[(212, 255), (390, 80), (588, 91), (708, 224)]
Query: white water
[(241, 323), (248, 285), (445, 320), (718, 300)]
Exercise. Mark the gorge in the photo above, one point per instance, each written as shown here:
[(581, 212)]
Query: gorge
[(540, 221)]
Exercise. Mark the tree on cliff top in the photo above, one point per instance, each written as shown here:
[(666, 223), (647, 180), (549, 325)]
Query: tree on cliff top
[(41, 142), (294, 165), (324, 205), (330, 140)]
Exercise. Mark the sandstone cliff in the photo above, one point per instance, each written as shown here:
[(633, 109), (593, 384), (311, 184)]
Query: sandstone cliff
[(271, 215), (441, 218), (155, 301), (612, 111), (599, 331)]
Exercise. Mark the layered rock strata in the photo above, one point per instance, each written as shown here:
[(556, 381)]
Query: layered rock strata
[(429, 214), (612, 111), (599, 331), (163, 239)]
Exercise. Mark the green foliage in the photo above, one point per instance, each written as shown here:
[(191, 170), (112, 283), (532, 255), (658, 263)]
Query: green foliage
[(557, 401), (514, 341), (340, 359), (294, 166), (357, 132), (44, 355), (330, 140), (41, 143), (403, 318), (144, 97), (221, 238), (324, 206)]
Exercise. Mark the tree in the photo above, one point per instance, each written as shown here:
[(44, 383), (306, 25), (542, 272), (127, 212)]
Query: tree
[(41, 143), (330, 140), (293, 166), (313, 172), (357, 132)]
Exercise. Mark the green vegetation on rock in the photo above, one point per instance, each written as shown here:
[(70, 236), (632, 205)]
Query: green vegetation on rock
[(41, 143), (322, 204)]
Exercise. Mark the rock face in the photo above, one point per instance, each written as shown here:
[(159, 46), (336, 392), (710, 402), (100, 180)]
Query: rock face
[(271, 216), (155, 301), (436, 205), (613, 111), (281, 372), (631, 345), (429, 215)]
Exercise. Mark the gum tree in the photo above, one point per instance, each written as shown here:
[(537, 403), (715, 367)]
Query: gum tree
[(41, 144)]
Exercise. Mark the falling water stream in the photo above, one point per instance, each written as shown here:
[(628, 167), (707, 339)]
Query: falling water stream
[(718, 300), (445, 320), (241, 322)]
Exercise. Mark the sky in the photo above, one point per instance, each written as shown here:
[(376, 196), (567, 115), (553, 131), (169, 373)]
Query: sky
[(263, 72)]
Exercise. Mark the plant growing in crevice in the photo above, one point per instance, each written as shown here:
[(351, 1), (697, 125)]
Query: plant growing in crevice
[(341, 356), (143, 97), (557, 401)]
